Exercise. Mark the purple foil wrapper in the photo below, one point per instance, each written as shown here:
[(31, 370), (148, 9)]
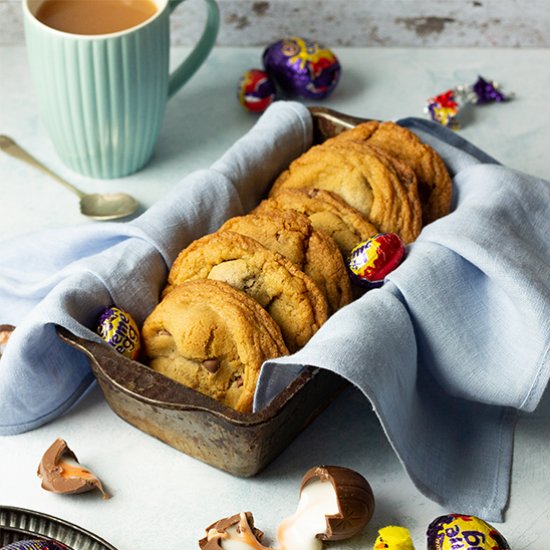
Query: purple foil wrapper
[(460, 531), (119, 330), (302, 67), (35, 544), (486, 91)]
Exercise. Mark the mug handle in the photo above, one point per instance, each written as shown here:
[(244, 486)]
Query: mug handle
[(200, 52)]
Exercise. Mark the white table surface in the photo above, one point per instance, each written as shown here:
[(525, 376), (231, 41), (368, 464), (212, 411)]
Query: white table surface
[(163, 498)]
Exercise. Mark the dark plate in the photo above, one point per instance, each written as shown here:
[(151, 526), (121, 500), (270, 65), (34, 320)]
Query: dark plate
[(18, 524)]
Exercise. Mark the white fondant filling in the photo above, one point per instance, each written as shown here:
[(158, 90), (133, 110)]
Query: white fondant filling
[(317, 500)]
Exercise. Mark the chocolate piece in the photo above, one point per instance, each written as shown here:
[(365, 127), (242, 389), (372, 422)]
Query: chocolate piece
[(239, 527), (355, 500), (60, 476), (211, 365), (5, 333)]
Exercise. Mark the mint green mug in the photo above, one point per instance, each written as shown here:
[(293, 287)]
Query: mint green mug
[(102, 97)]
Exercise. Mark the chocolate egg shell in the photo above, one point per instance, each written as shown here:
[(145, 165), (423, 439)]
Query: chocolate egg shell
[(355, 500), (218, 531), (256, 91), (302, 67), (370, 261), (120, 331), (458, 531), (5, 334), (59, 475)]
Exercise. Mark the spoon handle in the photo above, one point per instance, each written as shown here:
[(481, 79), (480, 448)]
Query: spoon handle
[(11, 148)]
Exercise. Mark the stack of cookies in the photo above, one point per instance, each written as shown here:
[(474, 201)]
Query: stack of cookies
[(264, 283)]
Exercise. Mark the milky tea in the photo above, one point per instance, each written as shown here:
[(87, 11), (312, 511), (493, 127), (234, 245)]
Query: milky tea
[(94, 16)]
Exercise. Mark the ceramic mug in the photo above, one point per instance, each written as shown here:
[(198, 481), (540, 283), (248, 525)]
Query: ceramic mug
[(102, 97)]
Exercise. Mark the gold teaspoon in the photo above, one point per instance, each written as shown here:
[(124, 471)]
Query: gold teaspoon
[(99, 206)]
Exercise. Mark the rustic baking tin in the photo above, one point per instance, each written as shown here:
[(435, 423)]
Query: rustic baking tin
[(241, 444)]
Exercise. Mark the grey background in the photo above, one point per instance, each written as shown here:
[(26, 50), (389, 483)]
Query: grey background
[(360, 23)]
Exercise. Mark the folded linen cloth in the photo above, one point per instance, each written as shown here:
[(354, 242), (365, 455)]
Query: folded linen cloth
[(447, 351)]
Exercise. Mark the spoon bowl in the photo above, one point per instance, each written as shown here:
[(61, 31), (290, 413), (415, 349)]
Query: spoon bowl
[(108, 206), (99, 206)]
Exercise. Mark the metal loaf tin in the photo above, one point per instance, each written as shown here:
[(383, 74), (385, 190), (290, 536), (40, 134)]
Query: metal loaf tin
[(241, 444)]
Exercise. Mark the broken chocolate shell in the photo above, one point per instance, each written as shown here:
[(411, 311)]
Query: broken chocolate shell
[(5, 333), (355, 500), (239, 527), (60, 475)]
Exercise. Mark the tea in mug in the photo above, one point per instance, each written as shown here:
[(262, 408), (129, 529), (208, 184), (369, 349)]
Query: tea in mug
[(94, 16)]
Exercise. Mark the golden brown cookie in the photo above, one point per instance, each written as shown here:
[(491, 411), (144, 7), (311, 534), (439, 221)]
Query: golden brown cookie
[(407, 177), (212, 338), (288, 294), (434, 181), (364, 179), (327, 212), (292, 235)]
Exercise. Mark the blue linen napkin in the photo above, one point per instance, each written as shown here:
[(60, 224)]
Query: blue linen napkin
[(454, 344)]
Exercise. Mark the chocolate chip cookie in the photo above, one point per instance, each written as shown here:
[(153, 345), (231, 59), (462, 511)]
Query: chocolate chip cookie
[(365, 180), (327, 212), (292, 235), (290, 296), (434, 181), (212, 338)]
